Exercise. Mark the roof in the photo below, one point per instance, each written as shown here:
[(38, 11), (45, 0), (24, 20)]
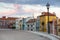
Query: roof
[(31, 21), (46, 14), (9, 18)]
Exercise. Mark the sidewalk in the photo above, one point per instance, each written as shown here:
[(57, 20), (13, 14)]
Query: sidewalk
[(56, 36), (45, 35)]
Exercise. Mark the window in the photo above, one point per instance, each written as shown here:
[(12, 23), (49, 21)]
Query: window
[(31, 25), (59, 30), (28, 27), (43, 23)]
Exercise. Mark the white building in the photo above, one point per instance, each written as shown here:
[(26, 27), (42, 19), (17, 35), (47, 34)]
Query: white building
[(31, 25), (21, 23), (18, 23)]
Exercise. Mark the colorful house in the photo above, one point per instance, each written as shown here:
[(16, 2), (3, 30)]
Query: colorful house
[(44, 20), (11, 22), (24, 22), (31, 25), (58, 27), (18, 23), (21, 23), (37, 23), (7, 22)]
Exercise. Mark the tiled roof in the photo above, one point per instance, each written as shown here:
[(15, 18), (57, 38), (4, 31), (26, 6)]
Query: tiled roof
[(9, 18), (31, 21), (46, 14)]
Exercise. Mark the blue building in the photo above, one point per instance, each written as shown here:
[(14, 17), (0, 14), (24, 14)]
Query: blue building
[(38, 24), (24, 20)]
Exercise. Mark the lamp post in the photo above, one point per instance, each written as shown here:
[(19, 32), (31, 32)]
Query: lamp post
[(48, 5)]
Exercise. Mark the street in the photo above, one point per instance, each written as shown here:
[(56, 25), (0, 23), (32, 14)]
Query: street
[(19, 35)]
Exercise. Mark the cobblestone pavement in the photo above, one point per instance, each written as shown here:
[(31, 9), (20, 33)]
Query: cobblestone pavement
[(19, 35)]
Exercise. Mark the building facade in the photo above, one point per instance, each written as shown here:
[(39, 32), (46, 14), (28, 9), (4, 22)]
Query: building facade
[(7, 22), (21, 23), (58, 26), (38, 23), (44, 20), (18, 23), (25, 22), (31, 25)]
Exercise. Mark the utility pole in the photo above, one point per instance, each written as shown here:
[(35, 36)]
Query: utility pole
[(47, 5)]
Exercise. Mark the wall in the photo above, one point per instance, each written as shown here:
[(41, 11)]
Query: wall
[(45, 20)]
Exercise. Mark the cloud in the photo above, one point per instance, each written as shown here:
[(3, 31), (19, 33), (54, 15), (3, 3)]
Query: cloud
[(38, 9), (41, 2), (25, 9), (28, 10), (8, 9)]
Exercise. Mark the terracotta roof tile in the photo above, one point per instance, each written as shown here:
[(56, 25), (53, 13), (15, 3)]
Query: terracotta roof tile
[(31, 20), (46, 14), (9, 18)]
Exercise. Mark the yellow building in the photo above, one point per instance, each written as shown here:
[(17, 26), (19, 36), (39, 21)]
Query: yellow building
[(44, 20)]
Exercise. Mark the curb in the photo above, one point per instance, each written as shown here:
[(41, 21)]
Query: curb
[(56, 36), (45, 35)]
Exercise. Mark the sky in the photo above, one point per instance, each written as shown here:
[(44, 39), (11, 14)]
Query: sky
[(27, 8)]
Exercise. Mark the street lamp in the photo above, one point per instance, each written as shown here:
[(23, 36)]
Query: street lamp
[(48, 5)]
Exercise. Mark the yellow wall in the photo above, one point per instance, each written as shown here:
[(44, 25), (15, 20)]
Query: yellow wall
[(45, 20), (50, 18)]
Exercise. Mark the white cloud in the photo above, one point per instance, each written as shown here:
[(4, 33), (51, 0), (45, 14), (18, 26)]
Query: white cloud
[(7, 9), (11, 9), (38, 9)]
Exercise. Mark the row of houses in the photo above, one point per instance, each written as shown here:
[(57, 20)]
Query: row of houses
[(7, 22), (33, 24), (54, 23), (41, 23)]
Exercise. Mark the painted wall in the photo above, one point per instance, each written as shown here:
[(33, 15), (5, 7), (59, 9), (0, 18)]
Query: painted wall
[(31, 27), (58, 29), (38, 24), (44, 21)]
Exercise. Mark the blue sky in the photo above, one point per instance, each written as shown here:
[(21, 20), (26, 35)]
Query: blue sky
[(26, 8), (42, 2)]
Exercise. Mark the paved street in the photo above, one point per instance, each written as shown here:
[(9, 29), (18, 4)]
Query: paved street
[(19, 35)]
